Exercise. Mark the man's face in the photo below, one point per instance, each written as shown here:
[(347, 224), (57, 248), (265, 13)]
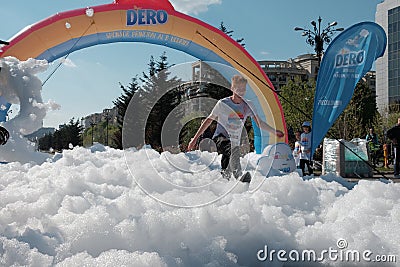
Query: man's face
[(239, 89)]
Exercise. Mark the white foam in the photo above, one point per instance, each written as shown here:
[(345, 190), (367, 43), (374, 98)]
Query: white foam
[(19, 85), (86, 208)]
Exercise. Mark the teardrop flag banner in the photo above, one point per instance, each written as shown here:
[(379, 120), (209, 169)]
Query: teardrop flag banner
[(347, 59)]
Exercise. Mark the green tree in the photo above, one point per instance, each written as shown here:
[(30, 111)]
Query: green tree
[(388, 119), (100, 134), (122, 103), (162, 90), (157, 94), (46, 142), (297, 99), (189, 129), (73, 132), (359, 115), (62, 138), (225, 30)]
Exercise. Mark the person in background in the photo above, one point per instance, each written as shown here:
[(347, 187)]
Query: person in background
[(305, 150), (386, 155), (394, 135), (372, 145), (297, 149), (372, 137)]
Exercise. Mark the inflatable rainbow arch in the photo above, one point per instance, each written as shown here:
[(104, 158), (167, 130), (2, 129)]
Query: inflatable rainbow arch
[(148, 21)]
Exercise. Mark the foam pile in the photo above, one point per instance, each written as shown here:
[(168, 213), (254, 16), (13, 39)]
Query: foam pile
[(88, 208)]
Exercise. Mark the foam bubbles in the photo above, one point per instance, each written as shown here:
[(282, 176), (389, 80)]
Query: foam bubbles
[(86, 208), (19, 85)]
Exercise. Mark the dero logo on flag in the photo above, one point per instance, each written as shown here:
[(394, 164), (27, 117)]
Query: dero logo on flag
[(349, 59)]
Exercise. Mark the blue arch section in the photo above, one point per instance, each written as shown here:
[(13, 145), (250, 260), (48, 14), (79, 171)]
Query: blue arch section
[(72, 45)]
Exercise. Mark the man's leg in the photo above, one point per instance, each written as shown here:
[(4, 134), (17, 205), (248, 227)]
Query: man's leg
[(234, 163), (309, 166), (302, 166), (224, 148), (396, 162)]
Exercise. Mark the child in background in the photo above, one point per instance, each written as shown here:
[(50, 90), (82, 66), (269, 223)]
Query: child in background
[(305, 155), (386, 154), (297, 149)]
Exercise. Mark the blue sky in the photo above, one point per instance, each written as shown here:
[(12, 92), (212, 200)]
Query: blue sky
[(90, 82)]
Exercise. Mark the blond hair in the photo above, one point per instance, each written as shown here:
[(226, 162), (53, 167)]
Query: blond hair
[(238, 79)]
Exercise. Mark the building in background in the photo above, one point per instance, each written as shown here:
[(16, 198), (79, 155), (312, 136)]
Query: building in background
[(303, 67), (309, 62), (281, 72), (370, 79), (97, 118), (194, 92), (388, 67)]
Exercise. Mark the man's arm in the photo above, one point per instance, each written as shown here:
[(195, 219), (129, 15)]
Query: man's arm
[(206, 123), (265, 126), (393, 134)]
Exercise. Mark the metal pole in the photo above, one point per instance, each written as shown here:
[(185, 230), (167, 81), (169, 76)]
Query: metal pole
[(317, 38), (107, 130), (92, 124)]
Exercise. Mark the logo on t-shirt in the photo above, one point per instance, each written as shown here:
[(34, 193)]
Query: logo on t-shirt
[(235, 120)]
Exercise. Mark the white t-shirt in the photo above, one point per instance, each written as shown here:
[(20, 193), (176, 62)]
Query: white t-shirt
[(231, 118), (296, 153), (305, 141)]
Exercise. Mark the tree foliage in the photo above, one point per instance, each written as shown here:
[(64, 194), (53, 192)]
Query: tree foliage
[(297, 99), (63, 138), (157, 94), (163, 95), (225, 30), (359, 115), (99, 132), (389, 117), (122, 103)]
